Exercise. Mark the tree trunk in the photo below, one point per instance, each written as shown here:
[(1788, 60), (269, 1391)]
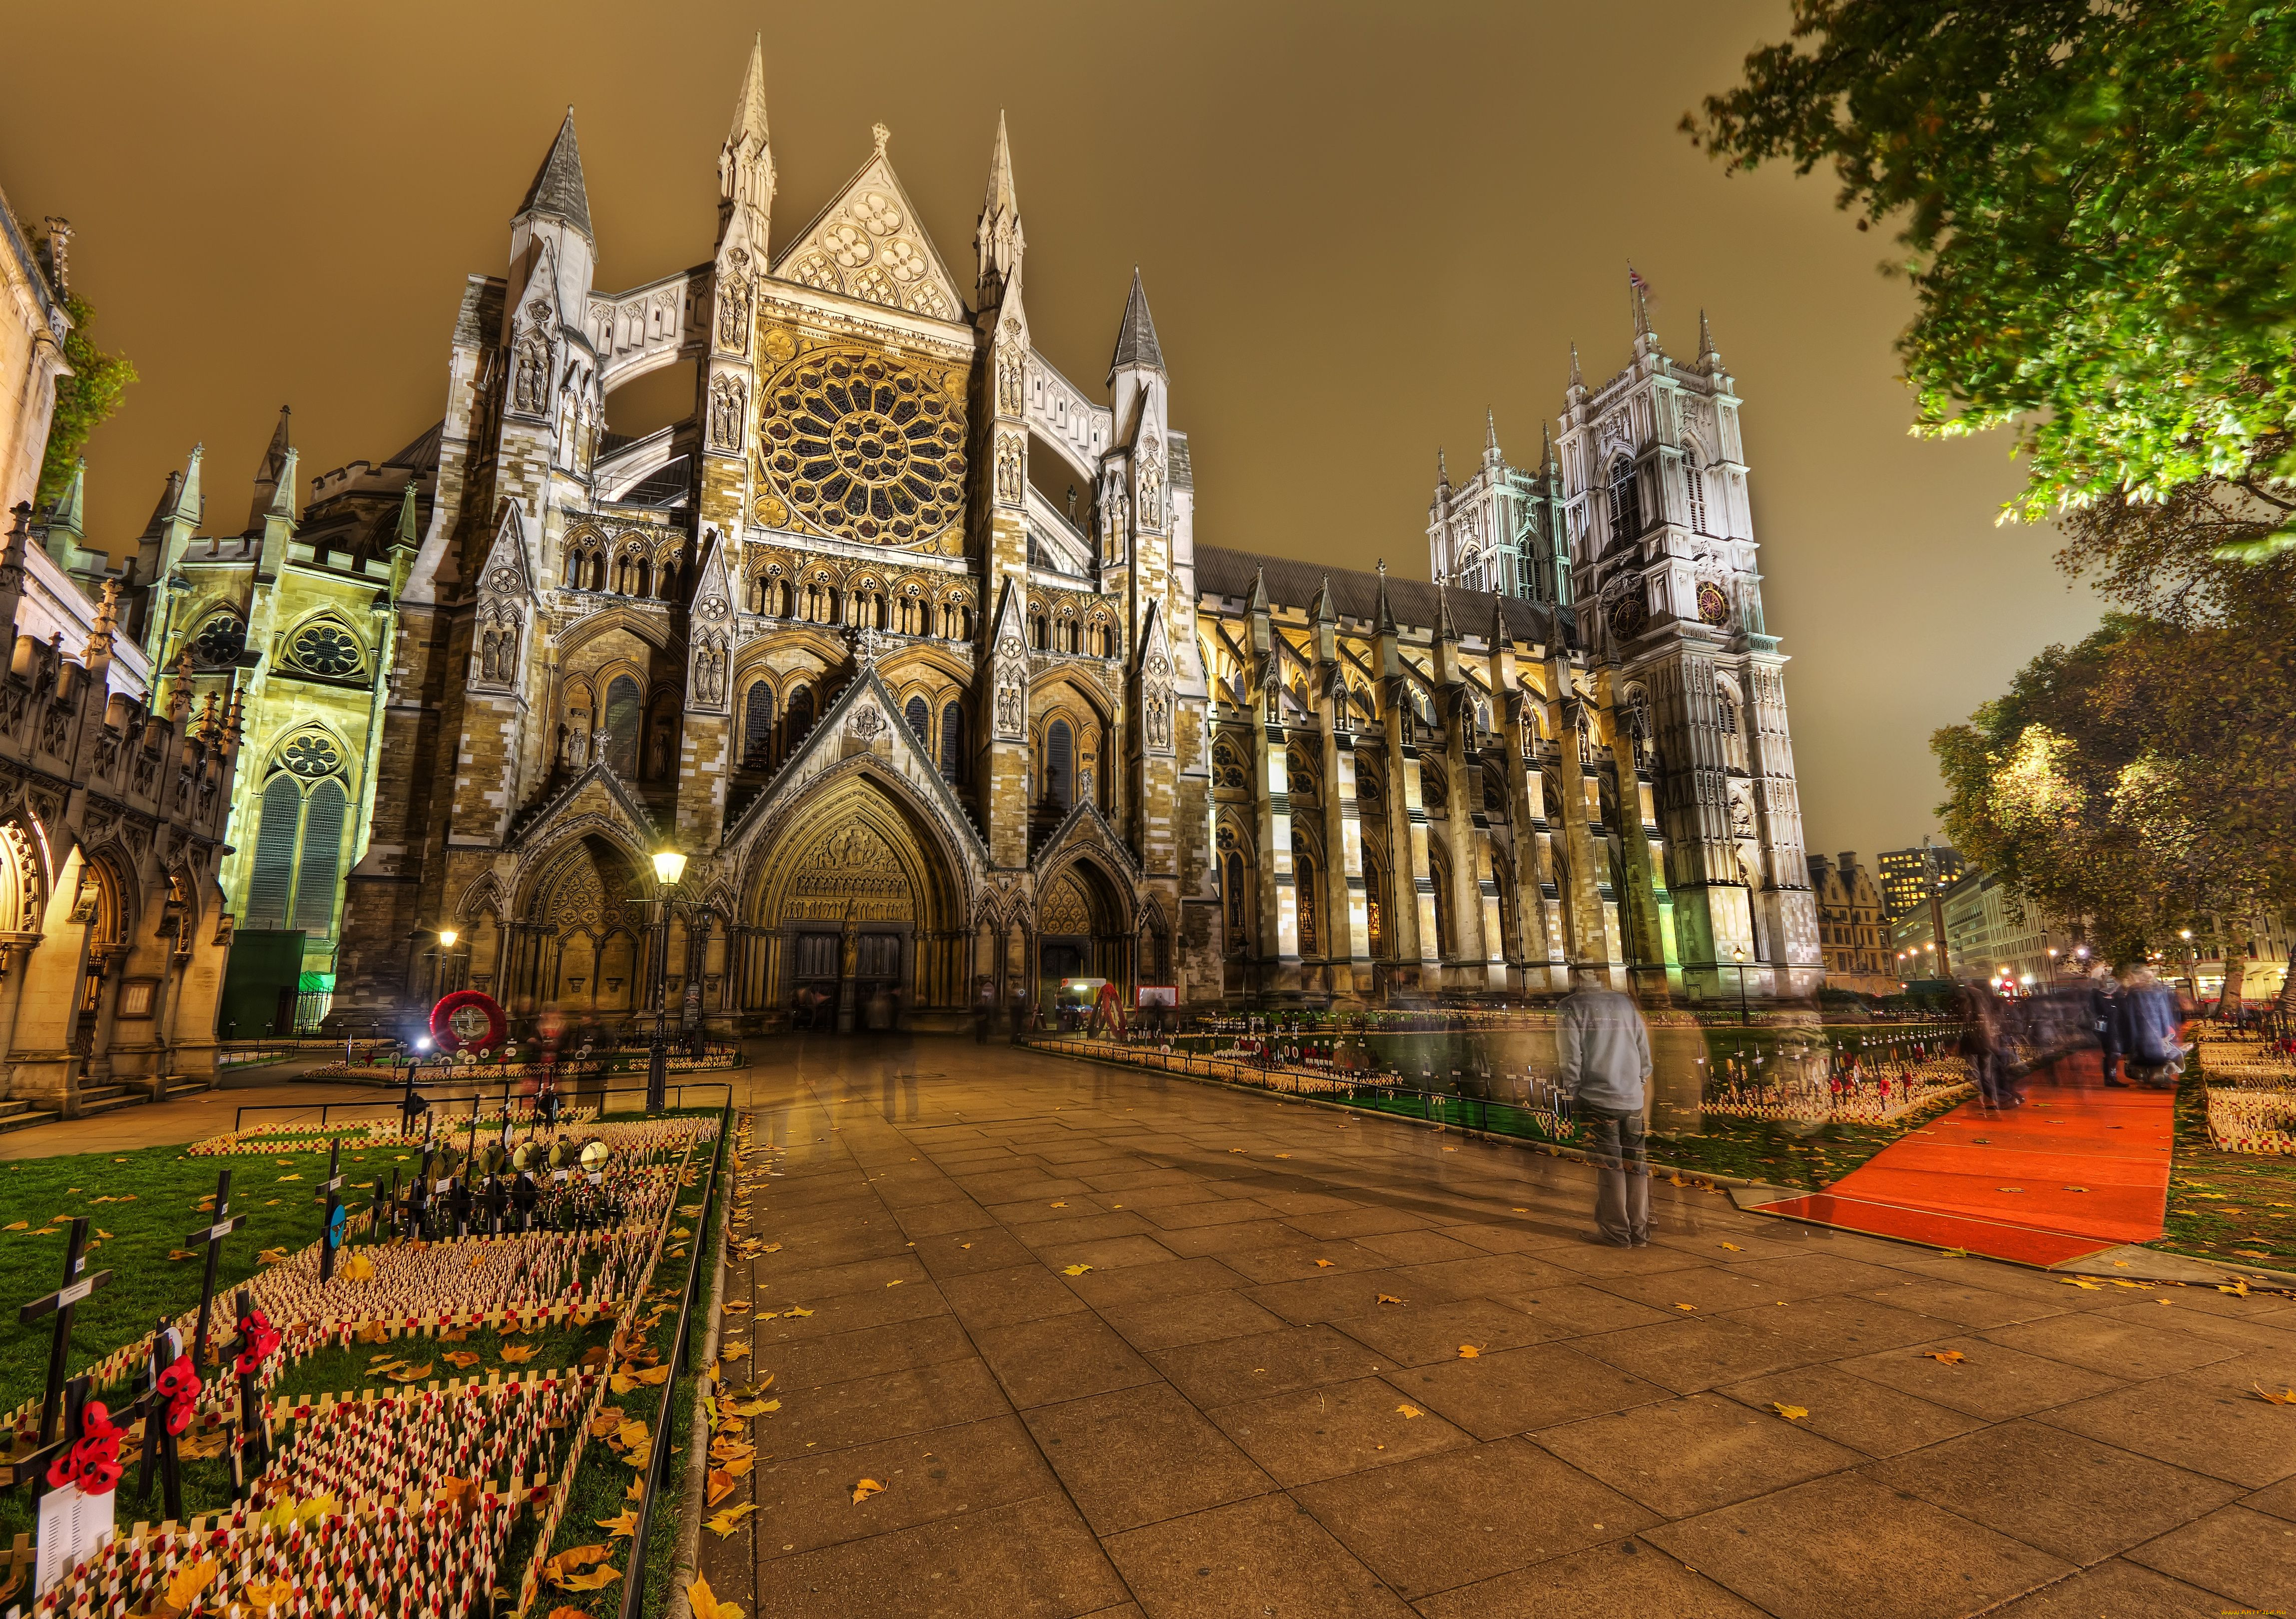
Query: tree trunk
[(2233, 937)]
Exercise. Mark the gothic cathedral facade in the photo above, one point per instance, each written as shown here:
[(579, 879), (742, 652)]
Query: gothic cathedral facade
[(905, 643)]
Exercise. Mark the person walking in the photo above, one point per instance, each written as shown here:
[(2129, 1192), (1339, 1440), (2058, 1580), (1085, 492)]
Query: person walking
[(984, 1011), (2104, 1017), (2152, 1029), (1605, 1070)]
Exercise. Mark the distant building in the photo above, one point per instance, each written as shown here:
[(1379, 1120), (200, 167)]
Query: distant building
[(1904, 871), (1851, 929), (1912, 946), (1990, 933)]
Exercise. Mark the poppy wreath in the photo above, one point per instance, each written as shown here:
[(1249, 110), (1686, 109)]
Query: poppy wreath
[(92, 1462), (450, 1038), (180, 1385), (261, 1338)]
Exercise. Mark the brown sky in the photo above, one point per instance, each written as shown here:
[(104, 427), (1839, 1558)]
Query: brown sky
[(1358, 225)]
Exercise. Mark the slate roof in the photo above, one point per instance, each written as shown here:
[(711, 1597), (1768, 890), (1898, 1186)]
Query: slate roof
[(558, 189), (1355, 595)]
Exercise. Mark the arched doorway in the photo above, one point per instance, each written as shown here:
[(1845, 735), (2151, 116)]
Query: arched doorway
[(1083, 929), (855, 912), (589, 955)]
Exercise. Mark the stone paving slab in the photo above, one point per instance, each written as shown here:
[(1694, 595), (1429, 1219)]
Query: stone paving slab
[(1122, 1344)]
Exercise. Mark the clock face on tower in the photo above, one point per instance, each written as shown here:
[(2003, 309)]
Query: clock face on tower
[(1629, 613), (1713, 605)]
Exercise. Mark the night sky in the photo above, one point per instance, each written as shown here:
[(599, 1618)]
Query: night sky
[(1358, 225)]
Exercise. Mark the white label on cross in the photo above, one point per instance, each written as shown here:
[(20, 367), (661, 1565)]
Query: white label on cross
[(68, 1297), (217, 1233), (444, 1186), (72, 1525)]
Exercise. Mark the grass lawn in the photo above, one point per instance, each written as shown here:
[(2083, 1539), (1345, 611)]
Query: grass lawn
[(2227, 1206), (140, 1205)]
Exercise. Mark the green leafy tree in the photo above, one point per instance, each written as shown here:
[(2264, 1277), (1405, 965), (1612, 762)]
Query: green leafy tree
[(85, 400), (2097, 203), (2140, 782)]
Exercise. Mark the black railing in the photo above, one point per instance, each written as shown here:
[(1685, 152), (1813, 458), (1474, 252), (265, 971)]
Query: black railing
[(573, 1095), (681, 1357)]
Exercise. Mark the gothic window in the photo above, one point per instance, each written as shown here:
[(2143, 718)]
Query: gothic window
[(800, 716), (220, 642), (328, 649), (1305, 888), (1695, 486), (1626, 502), (918, 714), (867, 447), (1060, 765), (297, 861), (1727, 701), (1233, 888), (1227, 766), (1299, 775), (666, 588), (757, 726), (1437, 870), (1039, 632), (952, 743), (619, 744), (311, 756), (1432, 795)]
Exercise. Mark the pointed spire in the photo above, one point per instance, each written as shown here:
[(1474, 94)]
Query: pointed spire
[(998, 239), (277, 460), (1442, 469), (1545, 449), (408, 535), (558, 190), (71, 510), (1325, 613), (1386, 614), (1709, 357), (1577, 378), (1136, 341), (1258, 602), (1445, 630), (745, 163), (1490, 434), (1636, 287), (1500, 635), (191, 504)]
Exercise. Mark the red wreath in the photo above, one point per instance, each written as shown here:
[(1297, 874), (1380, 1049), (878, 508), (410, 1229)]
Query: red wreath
[(92, 1462), (181, 1386), (261, 1338), (442, 1020)]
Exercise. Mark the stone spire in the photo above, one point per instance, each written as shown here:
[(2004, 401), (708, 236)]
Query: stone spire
[(1386, 611), (1709, 357), (1445, 630), (1136, 339), (1258, 602), (1324, 613), (558, 190), (997, 240), (275, 474), (100, 635), (1577, 390), (1490, 436), (745, 163)]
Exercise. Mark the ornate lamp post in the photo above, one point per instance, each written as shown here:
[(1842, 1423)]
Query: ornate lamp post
[(668, 870), (1739, 952)]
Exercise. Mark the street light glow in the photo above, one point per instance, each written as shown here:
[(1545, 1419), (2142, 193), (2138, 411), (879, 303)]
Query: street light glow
[(669, 865), (446, 937)]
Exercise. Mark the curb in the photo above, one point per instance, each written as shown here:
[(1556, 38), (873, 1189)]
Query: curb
[(685, 1560)]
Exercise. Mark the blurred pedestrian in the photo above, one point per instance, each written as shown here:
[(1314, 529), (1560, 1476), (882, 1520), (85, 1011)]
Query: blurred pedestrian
[(2104, 1016), (1987, 1042), (984, 1011), (2151, 1029), (1605, 1068)]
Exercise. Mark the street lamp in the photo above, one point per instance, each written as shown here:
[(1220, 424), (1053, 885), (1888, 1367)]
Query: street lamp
[(668, 870), (1739, 952), (2191, 967)]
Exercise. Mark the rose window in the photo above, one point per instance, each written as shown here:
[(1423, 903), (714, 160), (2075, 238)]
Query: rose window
[(865, 448), (311, 756), (327, 649), (220, 641), (1713, 605)]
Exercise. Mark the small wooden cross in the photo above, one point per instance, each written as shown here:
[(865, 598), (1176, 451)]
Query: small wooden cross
[(61, 1304), (332, 1186), (226, 1223)]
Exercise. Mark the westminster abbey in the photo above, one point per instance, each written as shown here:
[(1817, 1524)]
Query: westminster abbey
[(918, 726)]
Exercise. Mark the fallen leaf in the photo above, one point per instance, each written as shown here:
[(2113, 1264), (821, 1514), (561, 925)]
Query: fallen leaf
[(1389, 1298), (1327, 1265), (898, 1280), (1685, 1306), (2286, 1396), (517, 1354), (797, 1309), (269, 1596), (273, 1256), (2082, 1281), (1792, 1413), (1733, 1247), (172, 1252), (359, 1268), (721, 1485), (411, 1374), (1065, 1270), (1468, 1352), (621, 1524), (1059, 1205), (736, 1306), (866, 1488), (705, 1603), (726, 1521), (597, 1578), (1410, 1412), (1945, 1357), (734, 1351), (187, 1582), (287, 1178), (461, 1357)]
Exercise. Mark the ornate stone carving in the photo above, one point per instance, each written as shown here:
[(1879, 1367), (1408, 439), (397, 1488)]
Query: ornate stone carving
[(734, 312), (729, 398), (1009, 474)]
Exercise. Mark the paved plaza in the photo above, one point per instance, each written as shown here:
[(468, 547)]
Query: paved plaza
[(1117, 1344)]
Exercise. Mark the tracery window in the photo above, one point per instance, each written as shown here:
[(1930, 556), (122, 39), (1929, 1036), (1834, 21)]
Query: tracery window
[(328, 649), (1625, 501), (866, 447), (618, 746), (952, 743), (219, 641), (800, 722), (293, 881), (1695, 486), (1227, 766), (757, 726), (918, 714), (1060, 765), (1305, 891)]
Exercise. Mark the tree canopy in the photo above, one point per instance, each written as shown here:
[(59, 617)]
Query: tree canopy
[(84, 400), (2096, 202)]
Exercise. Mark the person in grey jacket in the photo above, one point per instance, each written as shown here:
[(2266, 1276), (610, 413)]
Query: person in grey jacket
[(1606, 1055)]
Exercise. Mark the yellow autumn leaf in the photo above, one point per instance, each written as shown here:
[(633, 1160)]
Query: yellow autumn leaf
[(2286, 1396), (597, 1578), (734, 1352), (725, 1523), (1326, 1264), (1410, 1410), (172, 1252), (1468, 1352), (287, 1178), (705, 1603), (1945, 1357), (1065, 1270), (866, 1488), (462, 1357), (411, 1374), (273, 1256), (620, 1525), (188, 1581), (721, 1485), (1685, 1306), (797, 1309), (1733, 1247), (2081, 1281), (1389, 1298), (898, 1280), (1792, 1413), (517, 1354), (268, 1596)]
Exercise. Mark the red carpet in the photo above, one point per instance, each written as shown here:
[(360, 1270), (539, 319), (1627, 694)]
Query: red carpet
[(2075, 1169)]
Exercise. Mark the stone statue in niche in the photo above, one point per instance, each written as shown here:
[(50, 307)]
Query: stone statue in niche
[(727, 397), (530, 382), (577, 746), (733, 314)]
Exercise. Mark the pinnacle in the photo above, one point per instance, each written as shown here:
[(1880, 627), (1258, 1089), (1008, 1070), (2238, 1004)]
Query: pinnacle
[(750, 107), (558, 190), (1000, 172), (1136, 341)]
